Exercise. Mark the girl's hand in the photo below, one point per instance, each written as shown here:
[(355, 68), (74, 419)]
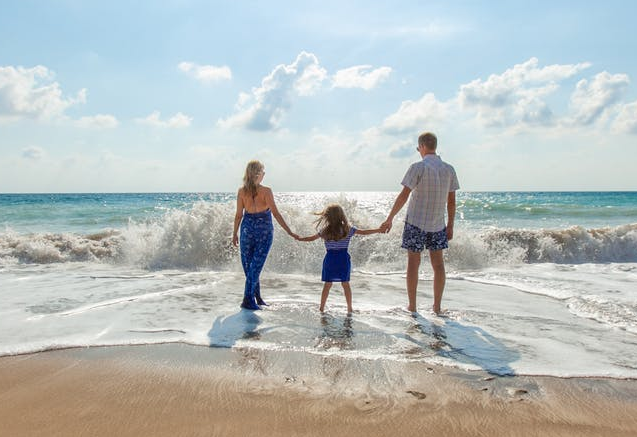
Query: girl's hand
[(235, 240)]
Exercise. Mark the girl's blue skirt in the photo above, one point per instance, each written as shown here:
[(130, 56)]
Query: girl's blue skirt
[(337, 266)]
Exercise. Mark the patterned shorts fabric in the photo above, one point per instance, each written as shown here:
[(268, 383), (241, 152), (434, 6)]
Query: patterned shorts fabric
[(417, 240)]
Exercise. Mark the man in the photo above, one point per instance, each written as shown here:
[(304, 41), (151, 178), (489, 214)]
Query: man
[(432, 184)]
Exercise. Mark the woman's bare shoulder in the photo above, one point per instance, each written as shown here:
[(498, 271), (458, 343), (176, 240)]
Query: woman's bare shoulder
[(266, 190)]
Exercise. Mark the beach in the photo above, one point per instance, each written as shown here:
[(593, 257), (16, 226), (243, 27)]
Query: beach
[(180, 390), (120, 316)]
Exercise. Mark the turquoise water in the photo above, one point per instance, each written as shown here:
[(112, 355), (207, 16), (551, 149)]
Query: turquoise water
[(86, 213)]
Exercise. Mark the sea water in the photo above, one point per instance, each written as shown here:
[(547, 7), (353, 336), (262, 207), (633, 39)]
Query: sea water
[(538, 283)]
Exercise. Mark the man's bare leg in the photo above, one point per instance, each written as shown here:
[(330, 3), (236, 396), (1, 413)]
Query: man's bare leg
[(413, 263), (438, 266)]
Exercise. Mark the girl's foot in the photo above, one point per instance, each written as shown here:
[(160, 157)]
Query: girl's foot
[(261, 301)]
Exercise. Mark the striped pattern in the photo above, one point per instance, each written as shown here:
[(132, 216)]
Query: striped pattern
[(341, 244)]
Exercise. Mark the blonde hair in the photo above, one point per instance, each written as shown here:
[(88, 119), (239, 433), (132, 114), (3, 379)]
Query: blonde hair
[(429, 140), (332, 223), (253, 170)]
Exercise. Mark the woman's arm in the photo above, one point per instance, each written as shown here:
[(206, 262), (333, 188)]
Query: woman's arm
[(310, 238), (269, 198), (368, 231), (237, 218)]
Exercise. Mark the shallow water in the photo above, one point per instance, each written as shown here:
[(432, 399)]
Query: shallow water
[(557, 297)]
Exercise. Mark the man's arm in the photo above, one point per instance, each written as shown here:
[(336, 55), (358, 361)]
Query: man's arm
[(451, 213), (400, 201)]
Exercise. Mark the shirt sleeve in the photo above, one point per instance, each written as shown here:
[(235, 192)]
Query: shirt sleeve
[(454, 181), (412, 177)]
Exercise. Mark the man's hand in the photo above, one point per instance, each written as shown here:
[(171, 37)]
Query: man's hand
[(385, 227)]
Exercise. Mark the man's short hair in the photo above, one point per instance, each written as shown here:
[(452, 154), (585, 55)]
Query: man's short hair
[(428, 140)]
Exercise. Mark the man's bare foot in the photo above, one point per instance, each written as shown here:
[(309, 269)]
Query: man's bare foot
[(439, 312)]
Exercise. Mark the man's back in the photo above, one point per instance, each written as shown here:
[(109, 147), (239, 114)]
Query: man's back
[(430, 180)]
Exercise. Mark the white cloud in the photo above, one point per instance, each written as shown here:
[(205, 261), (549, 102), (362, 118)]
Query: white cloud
[(414, 115), (517, 95), (177, 121), (626, 121), (33, 153), (265, 107), (32, 93), (591, 99), (206, 73), (359, 76), (403, 150), (99, 121)]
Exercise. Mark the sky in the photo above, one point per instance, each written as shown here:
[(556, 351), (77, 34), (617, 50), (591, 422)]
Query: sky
[(178, 95)]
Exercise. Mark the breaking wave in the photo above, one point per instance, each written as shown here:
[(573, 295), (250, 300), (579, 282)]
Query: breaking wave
[(200, 238)]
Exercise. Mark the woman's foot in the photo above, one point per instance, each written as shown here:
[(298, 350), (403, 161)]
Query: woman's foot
[(261, 302), (249, 304)]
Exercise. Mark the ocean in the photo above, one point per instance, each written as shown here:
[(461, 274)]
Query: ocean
[(539, 283)]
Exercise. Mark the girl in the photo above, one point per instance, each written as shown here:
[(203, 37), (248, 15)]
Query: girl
[(332, 226), (255, 208)]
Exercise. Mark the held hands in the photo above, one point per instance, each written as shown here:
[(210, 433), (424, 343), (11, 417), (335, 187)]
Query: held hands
[(385, 226)]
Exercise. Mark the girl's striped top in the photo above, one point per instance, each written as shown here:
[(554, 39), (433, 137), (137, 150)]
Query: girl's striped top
[(341, 244)]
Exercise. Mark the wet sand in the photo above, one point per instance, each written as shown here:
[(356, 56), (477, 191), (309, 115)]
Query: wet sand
[(180, 390)]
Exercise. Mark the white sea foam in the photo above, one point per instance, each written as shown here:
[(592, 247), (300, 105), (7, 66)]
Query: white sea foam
[(199, 238), (555, 301)]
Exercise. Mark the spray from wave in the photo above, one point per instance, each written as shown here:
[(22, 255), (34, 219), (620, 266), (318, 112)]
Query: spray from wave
[(200, 238)]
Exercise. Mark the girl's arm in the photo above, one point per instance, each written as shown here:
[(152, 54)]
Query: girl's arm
[(368, 231), (310, 238), (269, 198), (237, 218)]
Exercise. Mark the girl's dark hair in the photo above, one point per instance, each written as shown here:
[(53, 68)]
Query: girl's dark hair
[(332, 223)]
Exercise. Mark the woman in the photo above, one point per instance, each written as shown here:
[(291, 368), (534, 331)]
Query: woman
[(255, 208)]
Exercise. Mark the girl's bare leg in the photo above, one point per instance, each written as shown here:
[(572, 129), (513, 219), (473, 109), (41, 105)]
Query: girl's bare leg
[(348, 296), (324, 294)]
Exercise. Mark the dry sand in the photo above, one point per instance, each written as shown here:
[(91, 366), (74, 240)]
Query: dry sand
[(179, 390)]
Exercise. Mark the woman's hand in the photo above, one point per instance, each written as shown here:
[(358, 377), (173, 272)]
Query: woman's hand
[(235, 240)]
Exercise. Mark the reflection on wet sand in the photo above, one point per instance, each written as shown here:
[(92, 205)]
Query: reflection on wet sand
[(336, 333)]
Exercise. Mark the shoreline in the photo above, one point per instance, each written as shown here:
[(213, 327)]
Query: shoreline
[(177, 389), (110, 351)]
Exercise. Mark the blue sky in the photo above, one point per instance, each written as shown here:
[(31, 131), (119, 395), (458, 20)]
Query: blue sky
[(125, 96)]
